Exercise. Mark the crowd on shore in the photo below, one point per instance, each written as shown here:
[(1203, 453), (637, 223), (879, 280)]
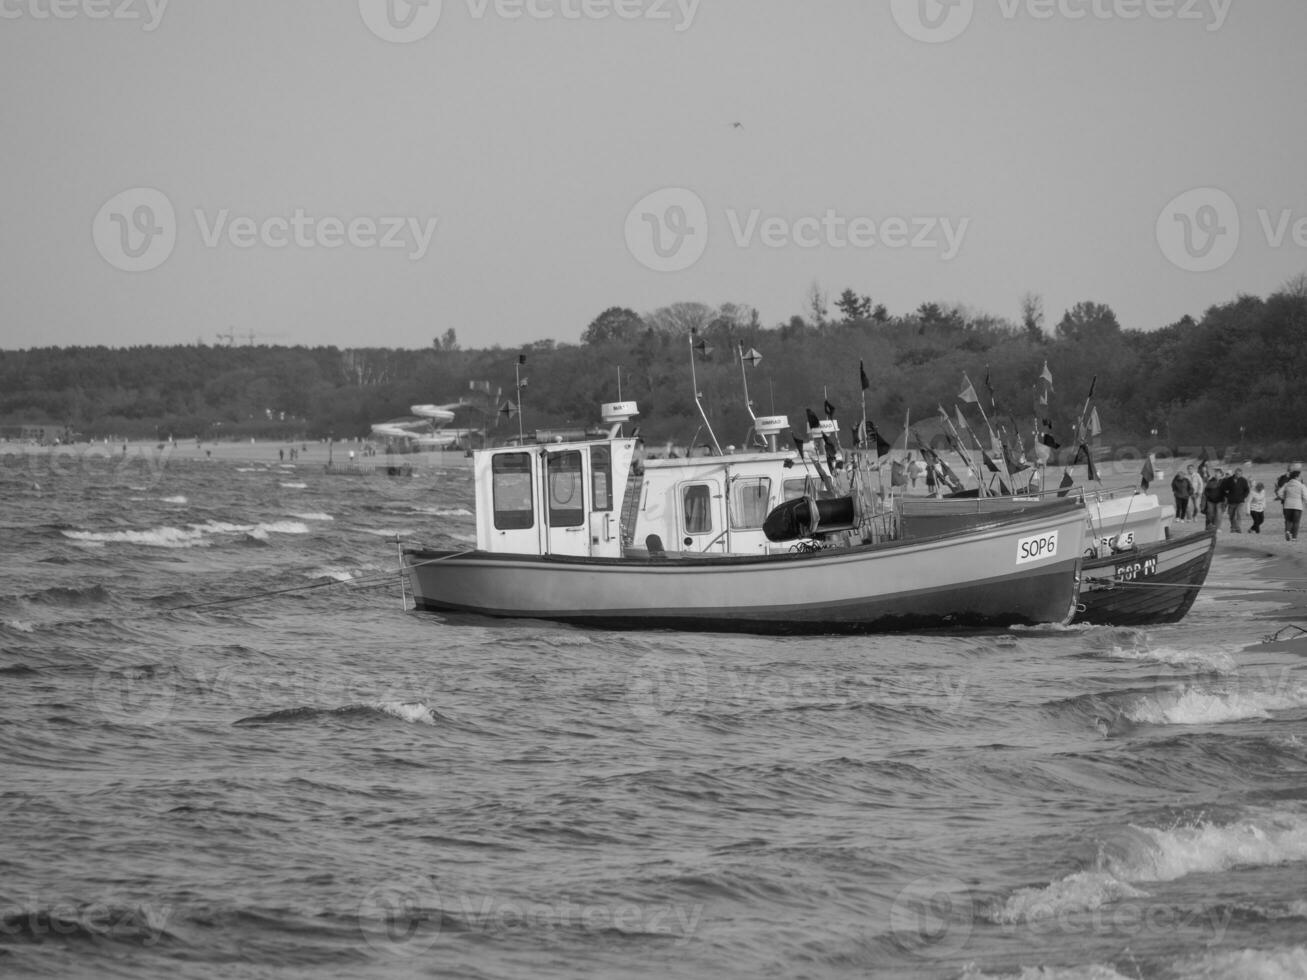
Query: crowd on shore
[(1210, 493)]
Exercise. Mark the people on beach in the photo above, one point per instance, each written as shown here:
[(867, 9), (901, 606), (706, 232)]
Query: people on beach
[(1257, 507), (1212, 495), (1234, 491), (1181, 490), (1293, 495)]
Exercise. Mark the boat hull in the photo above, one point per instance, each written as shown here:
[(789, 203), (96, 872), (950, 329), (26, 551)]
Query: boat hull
[(977, 579), (1154, 583)]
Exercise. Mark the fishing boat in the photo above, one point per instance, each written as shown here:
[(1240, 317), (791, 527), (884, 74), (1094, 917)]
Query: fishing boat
[(587, 533), (1136, 572)]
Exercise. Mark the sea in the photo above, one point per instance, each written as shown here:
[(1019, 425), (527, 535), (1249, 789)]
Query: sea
[(228, 749)]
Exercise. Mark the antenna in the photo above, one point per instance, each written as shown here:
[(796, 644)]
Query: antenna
[(694, 381)]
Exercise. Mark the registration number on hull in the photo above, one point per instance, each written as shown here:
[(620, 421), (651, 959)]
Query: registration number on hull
[(1038, 547), (1131, 570)]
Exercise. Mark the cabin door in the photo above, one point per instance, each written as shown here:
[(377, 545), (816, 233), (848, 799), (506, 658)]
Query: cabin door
[(565, 502), (702, 517)]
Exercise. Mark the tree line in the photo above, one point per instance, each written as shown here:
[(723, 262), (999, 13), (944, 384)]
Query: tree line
[(1231, 377)]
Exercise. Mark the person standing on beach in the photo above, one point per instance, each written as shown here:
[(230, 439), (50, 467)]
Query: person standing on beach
[(1257, 507), (1293, 495), (1236, 492), (1212, 500), (1181, 490)]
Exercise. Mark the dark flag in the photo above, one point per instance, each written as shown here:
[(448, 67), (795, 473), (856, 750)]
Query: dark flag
[(1067, 483), (882, 447), (798, 444), (862, 375), (898, 474), (830, 451), (830, 410), (857, 434), (989, 463), (1089, 461), (1146, 476), (813, 421)]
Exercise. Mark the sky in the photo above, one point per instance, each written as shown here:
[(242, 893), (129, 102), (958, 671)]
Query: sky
[(375, 173)]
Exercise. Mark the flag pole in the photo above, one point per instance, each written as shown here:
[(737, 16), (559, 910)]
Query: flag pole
[(694, 381), (517, 375), (962, 450)]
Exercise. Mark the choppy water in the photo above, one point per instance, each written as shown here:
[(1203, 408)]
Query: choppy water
[(318, 784)]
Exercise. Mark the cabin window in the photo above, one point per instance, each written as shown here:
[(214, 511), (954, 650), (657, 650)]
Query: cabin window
[(749, 496), (794, 489), (601, 477), (510, 488), (696, 503), (566, 501)]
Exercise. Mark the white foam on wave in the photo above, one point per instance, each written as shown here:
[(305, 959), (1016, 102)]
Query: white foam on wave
[(410, 711), (20, 626), (331, 571), (1198, 706), (179, 499), (155, 537), (191, 536), (1092, 971), (1214, 661), (313, 516), (1260, 840), (385, 532), (1283, 963), (1084, 890), (295, 486), (445, 511)]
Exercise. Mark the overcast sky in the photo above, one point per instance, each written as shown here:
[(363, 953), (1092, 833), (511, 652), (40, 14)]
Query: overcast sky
[(366, 172)]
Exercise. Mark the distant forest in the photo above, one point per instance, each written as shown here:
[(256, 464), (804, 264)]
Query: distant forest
[(1234, 377)]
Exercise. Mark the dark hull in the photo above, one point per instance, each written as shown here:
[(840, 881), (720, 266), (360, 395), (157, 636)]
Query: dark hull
[(1155, 583)]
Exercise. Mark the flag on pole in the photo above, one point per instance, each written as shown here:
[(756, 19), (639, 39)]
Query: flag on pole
[(1047, 375), (862, 376), (1089, 461), (1147, 476), (830, 409), (751, 357), (882, 447), (1094, 428), (962, 419), (1067, 483), (969, 392)]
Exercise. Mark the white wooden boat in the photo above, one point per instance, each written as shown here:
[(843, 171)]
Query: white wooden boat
[(563, 535)]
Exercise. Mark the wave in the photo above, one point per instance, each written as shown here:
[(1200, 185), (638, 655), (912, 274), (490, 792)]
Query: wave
[(191, 536), (313, 516), (294, 486), (414, 712), (1151, 854), (1196, 706), (445, 511), (1211, 661), (332, 572), (1248, 964), (178, 499), (63, 596)]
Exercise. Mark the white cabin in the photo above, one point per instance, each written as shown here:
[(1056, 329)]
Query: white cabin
[(596, 498)]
